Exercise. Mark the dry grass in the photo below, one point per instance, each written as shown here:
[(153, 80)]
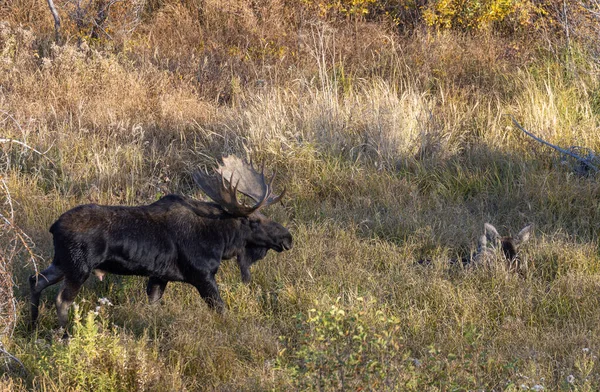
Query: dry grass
[(392, 149)]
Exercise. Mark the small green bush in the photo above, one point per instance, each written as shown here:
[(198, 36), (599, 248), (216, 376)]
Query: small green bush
[(354, 349), (97, 357)]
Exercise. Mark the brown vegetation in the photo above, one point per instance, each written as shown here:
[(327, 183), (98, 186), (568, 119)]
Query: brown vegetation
[(386, 122)]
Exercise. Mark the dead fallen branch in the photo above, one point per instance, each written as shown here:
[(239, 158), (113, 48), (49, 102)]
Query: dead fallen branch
[(56, 17), (5, 140), (586, 163), (13, 358)]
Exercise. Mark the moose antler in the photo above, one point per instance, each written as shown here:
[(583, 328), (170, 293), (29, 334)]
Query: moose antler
[(241, 177), (250, 182)]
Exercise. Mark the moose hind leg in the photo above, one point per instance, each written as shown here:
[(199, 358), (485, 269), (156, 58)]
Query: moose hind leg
[(155, 289), (38, 283), (64, 299)]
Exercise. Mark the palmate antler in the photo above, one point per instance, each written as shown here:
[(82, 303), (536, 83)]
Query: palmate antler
[(235, 175)]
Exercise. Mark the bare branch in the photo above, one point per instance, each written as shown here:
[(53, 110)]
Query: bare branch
[(10, 356), (8, 199), (101, 17), (56, 20), (3, 140), (43, 154), (594, 12), (23, 238), (583, 161)]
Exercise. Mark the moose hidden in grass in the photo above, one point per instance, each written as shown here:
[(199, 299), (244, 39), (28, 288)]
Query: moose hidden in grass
[(492, 245), (491, 242), (175, 239)]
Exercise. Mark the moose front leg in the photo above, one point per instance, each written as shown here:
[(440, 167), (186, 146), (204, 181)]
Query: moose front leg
[(244, 264), (249, 256), (155, 289), (203, 278), (209, 291)]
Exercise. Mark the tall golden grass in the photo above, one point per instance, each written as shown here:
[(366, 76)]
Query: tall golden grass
[(393, 148)]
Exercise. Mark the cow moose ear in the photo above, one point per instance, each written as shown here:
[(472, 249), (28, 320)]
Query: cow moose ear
[(491, 233), (481, 244), (524, 234)]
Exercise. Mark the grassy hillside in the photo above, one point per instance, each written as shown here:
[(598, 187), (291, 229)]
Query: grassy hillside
[(391, 131)]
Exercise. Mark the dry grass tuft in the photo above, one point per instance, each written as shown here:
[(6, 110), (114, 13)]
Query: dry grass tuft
[(393, 148)]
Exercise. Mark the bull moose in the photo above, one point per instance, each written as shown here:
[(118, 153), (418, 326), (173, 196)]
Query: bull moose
[(175, 239)]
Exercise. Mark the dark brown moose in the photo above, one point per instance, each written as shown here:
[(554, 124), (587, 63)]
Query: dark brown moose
[(175, 239)]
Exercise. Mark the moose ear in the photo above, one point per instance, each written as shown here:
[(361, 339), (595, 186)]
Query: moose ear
[(524, 234), (491, 233)]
